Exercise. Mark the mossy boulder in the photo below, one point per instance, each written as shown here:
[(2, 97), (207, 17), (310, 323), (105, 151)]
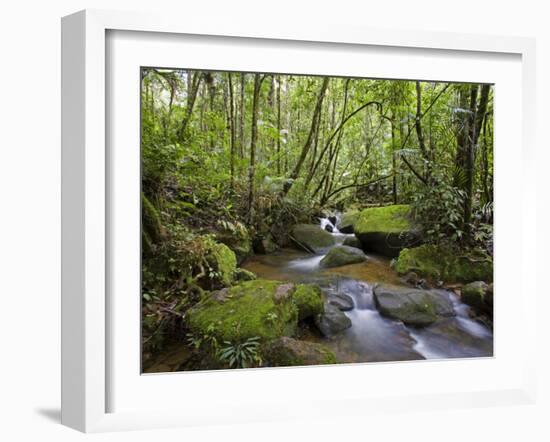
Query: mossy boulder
[(241, 275), (237, 238), (411, 306), (259, 308), (478, 295), (342, 255), (332, 321), (311, 237), (309, 301), (285, 352), (347, 221), (352, 241), (440, 263), (222, 264), (386, 230)]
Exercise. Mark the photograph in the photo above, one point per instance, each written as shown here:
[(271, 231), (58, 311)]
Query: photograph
[(303, 220)]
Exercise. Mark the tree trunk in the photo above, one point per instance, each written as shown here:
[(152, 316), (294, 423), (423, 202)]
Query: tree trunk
[(309, 142), (194, 81), (232, 130), (253, 140)]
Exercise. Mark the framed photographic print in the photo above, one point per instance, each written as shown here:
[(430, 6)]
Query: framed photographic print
[(271, 220)]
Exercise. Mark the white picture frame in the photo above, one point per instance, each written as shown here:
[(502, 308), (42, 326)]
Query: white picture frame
[(86, 350)]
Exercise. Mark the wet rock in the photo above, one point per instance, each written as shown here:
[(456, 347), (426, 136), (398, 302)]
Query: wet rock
[(386, 230), (333, 220), (309, 301), (352, 241), (284, 352), (412, 306), (329, 228), (346, 224), (264, 245), (342, 255), (342, 301), (332, 321), (439, 263), (311, 237), (478, 295), (259, 308)]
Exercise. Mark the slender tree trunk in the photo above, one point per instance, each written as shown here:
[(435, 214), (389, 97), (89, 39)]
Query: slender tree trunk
[(194, 81), (241, 116), (312, 131), (232, 130), (279, 125), (253, 140)]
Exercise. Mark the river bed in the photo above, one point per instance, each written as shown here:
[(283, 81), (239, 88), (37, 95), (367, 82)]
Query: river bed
[(373, 337)]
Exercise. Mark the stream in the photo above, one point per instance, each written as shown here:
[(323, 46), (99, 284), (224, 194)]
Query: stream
[(373, 337)]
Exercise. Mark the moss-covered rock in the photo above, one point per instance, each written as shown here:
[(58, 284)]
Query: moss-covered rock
[(412, 306), (439, 263), (474, 294), (237, 238), (152, 230), (241, 275), (348, 220), (332, 321), (251, 309), (386, 230), (352, 241), (311, 237), (342, 255), (309, 300), (285, 352), (223, 264)]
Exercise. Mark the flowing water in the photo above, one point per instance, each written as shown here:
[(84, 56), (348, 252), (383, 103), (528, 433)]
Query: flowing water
[(373, 337)]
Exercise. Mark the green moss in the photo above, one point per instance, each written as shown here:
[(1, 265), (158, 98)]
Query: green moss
[(244, 275), (312, 236), (286, 352), (388, 219), (349, 218), (439, 263), (250, 309), (309, 300), (474, 294), (150, 219), (237, 240), (342, 255), (224, 263)]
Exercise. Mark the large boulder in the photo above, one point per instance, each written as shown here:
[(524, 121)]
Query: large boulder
[(259, 308), (341, 301), (223, 265), (479, 295), (439, 263), (347, 221), (342, 255), (284, 352), (352, 241), (386, 230), (237, 238), (412, 306), (311, 237), (309, 301), (332, 321)]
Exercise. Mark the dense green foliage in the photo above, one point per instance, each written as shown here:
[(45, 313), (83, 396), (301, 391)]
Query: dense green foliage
[(232, 161)]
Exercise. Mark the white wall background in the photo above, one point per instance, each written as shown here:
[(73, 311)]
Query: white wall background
[(30, 215)]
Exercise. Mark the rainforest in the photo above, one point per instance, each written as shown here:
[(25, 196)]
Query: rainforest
[(295, 220)]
